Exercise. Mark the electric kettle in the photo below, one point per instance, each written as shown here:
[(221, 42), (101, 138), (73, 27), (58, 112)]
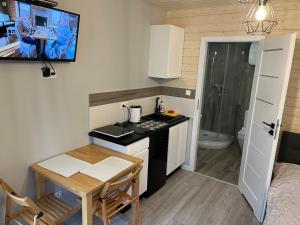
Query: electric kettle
[(135, 113)]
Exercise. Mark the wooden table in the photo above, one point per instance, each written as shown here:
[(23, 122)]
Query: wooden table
[(80, 184)]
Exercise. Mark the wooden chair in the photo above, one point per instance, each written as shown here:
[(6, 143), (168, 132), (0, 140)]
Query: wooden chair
[(114, 197), (47, 211)]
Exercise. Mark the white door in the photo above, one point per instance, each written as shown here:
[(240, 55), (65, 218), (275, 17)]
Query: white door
[(144, 155), (174, 136), (177, 146), (267, 104), (182, 143)]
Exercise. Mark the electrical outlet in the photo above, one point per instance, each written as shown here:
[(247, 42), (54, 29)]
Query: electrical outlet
[(58, 194), (188, 92), (124, 105), (48, 74)]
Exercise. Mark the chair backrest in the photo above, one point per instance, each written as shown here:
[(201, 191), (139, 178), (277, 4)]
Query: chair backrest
[(24, 202), (122, 185)]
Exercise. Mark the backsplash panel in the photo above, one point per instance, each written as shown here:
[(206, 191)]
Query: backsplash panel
[(103, 115), (104, 98)]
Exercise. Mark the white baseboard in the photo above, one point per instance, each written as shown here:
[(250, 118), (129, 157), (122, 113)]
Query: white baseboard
[(187, 167)]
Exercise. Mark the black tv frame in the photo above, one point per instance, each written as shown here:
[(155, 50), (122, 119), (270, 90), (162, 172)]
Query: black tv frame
[(43, 59)]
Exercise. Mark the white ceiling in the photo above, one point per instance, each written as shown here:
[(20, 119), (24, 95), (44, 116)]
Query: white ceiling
[(177, 4)]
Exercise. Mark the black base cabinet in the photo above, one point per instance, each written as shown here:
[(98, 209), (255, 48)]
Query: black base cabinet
[(158, 156)]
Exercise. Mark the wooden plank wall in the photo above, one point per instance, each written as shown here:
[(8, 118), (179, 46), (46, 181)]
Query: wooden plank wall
[(226, 21)]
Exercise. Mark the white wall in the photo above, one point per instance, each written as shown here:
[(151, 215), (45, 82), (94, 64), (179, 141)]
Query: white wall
[(139, 42), (42, 118)]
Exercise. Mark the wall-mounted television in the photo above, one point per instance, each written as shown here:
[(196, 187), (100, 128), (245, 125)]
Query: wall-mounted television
[(37, 33)]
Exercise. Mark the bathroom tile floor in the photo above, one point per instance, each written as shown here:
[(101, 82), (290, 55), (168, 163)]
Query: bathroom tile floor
[(220, 164)]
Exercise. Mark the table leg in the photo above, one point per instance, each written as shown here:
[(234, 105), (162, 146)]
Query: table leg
[(87, 209), (40, 186), (136, 204)]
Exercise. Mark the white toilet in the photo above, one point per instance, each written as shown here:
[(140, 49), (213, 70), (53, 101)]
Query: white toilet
[(242, 132)]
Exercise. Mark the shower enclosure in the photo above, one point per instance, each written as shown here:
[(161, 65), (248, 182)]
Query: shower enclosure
[(226, 95)]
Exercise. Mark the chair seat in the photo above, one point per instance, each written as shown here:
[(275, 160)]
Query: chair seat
[(115, 200), (55, 208)]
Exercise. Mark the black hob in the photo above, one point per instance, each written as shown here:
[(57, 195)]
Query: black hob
[(152, 125)]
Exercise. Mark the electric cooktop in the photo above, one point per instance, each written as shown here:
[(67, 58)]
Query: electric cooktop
[(114, 131)]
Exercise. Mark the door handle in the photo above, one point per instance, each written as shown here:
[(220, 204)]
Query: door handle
[(271, 125), (274, 128)]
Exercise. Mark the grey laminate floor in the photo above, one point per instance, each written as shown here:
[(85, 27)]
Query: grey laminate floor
[(220, 164), (191, 199)]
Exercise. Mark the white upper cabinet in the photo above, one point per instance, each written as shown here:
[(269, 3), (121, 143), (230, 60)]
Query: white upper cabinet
[(166, 51)]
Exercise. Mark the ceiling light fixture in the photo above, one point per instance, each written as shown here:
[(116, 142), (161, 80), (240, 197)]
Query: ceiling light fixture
[(261, 18)]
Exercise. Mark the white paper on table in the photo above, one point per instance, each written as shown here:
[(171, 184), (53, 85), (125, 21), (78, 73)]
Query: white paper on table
[(107, 168), (64, 165)]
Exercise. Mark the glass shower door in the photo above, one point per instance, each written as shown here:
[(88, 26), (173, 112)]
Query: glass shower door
[(236, 95), (213, 87), (222, 107)]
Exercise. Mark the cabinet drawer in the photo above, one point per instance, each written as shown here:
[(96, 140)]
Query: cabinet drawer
[(136, 147), (132, 149), (144, 155)]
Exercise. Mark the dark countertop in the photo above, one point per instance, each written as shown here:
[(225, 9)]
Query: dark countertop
[(139, 133)]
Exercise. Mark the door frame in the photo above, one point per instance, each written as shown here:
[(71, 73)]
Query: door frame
[(200, 86)]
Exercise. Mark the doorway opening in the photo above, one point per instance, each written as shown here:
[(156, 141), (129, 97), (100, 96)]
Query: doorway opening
[(268, 94), (224, 90), (225, 103)]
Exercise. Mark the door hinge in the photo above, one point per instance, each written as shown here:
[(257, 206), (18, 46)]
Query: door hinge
[(198, 104)]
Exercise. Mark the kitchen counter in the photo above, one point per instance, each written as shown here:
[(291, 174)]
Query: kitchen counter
[(139, 134), (159, 140)]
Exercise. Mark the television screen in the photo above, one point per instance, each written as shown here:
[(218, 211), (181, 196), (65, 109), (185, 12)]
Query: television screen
[(31, 32)]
